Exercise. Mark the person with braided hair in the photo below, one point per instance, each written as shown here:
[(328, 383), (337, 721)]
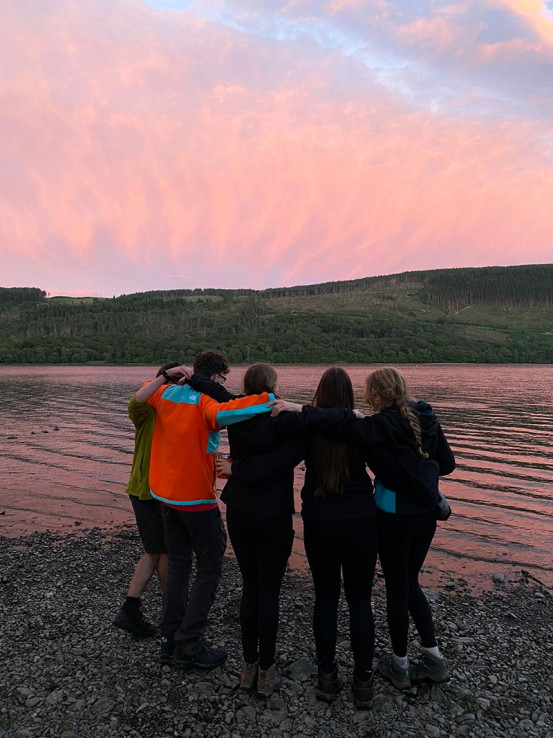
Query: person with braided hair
[(406, 449), (406, 498)]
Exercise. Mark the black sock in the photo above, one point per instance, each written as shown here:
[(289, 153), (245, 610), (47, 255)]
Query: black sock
[(132, 604)]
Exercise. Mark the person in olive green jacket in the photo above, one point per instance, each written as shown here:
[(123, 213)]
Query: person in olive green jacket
[(147, 512)]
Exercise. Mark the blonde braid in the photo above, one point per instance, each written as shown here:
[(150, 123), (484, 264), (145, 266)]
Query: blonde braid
[(413, 421)]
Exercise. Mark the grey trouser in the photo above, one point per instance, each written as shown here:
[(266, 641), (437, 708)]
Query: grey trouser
[(202, 533)]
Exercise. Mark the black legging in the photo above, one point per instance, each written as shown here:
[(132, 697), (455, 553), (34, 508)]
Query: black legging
[(262, 547), (332, 547), (403, 542)]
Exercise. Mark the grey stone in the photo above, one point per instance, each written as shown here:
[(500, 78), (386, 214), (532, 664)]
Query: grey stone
[(54, 697), (302, 669)]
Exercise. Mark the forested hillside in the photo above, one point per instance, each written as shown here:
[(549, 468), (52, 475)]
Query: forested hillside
[(492, 314)]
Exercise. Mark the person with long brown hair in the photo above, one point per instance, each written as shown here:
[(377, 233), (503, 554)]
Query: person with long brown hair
[(406, 449), (339, 519)]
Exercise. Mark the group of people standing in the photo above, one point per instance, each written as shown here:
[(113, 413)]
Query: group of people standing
[(347, 520)]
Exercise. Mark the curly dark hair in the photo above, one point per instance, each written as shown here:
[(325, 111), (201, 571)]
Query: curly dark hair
[(211, 362)]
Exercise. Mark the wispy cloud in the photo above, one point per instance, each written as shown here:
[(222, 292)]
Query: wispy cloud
[(151, 144)]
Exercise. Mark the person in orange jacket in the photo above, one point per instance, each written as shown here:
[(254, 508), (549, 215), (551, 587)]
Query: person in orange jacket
[(182, 477)]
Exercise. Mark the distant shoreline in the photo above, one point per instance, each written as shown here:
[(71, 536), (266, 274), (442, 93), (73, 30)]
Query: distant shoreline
[(291, 363)]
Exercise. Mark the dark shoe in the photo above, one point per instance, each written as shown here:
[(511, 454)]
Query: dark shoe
[(248, 675), (268, 681), (328, 684), (391, 670), (167, 648), (134, 623), (431, 668), (198, 654), (363, 692)]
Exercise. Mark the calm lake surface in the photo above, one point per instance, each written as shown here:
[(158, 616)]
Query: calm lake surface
[(67, 448)]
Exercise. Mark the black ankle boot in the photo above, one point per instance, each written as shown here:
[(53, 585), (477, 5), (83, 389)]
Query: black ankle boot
[(363, 692), (328, 684)]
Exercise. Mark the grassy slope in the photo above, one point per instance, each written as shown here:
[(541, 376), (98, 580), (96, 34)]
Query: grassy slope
[(392, 319)]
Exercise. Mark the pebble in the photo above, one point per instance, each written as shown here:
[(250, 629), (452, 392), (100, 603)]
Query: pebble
[(66, 671)]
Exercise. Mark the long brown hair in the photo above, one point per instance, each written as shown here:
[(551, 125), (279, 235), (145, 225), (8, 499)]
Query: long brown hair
[(330, 457), (259, 378), (388, 387)]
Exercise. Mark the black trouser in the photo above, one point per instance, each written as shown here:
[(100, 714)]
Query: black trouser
[(403, 542), (262, 547), (347, 547), (202, 533)]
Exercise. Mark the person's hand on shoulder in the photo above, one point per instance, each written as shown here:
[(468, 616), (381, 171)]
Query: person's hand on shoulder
[(183, 372), (283, 406)]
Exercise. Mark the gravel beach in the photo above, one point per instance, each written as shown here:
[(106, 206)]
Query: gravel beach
[(66, 671)]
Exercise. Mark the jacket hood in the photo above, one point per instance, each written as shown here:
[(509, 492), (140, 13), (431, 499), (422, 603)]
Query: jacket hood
[(427, 419)]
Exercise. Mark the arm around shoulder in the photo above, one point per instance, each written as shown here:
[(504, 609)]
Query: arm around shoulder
[(210, 388), (218, 415)]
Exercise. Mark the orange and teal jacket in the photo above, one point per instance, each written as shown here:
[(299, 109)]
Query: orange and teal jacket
[(186, 437)]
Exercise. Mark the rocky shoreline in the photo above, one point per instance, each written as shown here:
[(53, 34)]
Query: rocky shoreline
[(65, 671)]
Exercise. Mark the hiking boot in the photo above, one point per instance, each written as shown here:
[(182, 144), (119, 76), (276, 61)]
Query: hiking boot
[(328, 684), (363, 692), (431, 668), (268, 681), (391, 670), (198, 654), (133, 622), (248, 675), (166, 655)]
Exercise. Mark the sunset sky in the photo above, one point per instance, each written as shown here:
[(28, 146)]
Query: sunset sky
[(167, 144)]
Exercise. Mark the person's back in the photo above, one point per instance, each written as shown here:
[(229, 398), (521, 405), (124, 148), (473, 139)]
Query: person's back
[(356, 498), (259, 522), (182, 477), (274, 495), (339, 517), (186, 437), (407, 471), (149, 522), (406, 481)]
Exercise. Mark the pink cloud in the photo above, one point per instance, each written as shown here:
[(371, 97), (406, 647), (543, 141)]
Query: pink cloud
[(146, 150)]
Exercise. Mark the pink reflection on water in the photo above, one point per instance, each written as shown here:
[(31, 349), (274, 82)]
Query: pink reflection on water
[(74, 477)]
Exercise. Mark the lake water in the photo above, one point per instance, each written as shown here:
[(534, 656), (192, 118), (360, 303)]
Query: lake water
[(67, 447)]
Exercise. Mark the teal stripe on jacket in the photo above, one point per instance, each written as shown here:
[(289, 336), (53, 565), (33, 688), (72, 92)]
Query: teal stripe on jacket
[(229, 417)]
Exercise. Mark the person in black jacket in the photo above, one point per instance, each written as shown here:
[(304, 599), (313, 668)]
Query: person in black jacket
[(339, 523), (406, 449), (259, 523)]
